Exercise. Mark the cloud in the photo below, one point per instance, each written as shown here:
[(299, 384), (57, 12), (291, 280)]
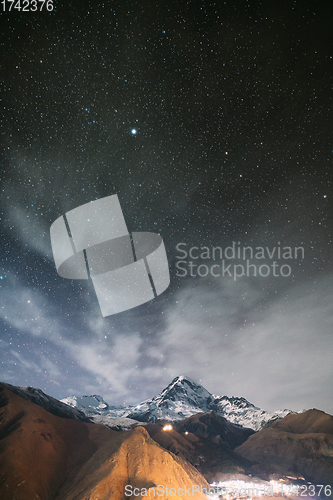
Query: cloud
[(63, 351), (233, 337), (29, 229), (278, 355), (121, 369), (25, 364), (112, 365)]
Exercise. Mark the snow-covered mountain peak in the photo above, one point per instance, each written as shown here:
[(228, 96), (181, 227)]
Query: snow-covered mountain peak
[(184, 397), (180, 380), (100, 412), (184, 388), (233, 401), (181, 399), (94, 404)]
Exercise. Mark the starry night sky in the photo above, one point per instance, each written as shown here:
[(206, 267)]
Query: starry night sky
[(231, 105)]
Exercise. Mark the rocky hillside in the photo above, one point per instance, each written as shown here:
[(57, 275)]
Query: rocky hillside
[(302, 443), (47, 457)]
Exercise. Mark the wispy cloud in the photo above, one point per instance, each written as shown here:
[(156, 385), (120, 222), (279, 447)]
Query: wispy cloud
[(278, 355), (229, 336)]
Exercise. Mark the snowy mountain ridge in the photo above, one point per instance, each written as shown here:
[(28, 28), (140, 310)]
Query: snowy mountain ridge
[(89, 404), (182, 398)]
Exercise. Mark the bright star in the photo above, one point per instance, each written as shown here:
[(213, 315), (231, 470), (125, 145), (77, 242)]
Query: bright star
[(133, 131)]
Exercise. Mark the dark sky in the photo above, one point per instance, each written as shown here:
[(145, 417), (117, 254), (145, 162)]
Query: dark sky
[(231, 105)]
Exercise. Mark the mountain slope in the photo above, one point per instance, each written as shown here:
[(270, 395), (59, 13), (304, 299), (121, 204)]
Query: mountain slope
[(210, 458), (138, 462), (100, 412), (216, 428), (206, 440), (242, 412), (50, 404), (51, 458), (180, 399), (94, 405), (302, 443), (184, 398)]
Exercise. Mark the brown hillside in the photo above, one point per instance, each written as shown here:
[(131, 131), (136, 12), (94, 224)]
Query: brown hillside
[(216, 428), (311, 421), (46, 457), (302, 443), (138, 462), (210, 458)]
